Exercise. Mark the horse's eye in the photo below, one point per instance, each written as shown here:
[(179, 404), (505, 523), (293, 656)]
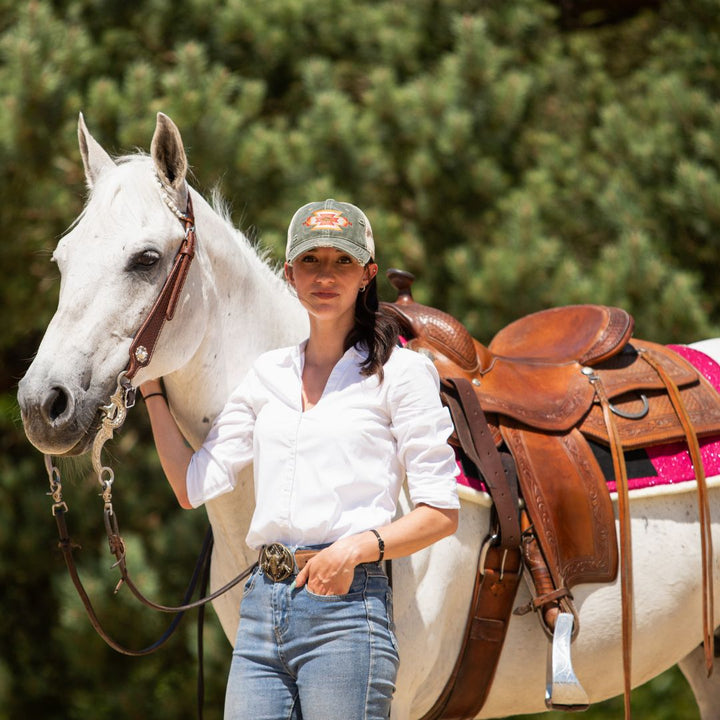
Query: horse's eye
[(144, 259)]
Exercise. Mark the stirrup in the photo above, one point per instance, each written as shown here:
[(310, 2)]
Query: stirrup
[(563, 690)]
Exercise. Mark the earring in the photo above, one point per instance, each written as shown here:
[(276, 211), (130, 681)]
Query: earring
[(362, 289)]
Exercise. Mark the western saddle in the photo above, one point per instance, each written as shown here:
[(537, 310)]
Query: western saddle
[(526, 410)]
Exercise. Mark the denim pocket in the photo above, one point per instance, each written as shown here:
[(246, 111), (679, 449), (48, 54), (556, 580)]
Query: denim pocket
[(357, 588)]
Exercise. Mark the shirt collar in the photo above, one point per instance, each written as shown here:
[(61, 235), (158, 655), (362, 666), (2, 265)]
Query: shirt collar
[(355, 354)]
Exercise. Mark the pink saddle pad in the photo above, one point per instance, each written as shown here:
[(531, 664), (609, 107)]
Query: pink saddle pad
[(671, 462)]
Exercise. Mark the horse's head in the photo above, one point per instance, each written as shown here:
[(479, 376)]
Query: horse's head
[(112, 262)]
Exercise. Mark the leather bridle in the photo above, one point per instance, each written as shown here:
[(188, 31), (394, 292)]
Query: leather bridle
[(141, 351), (143, 345)]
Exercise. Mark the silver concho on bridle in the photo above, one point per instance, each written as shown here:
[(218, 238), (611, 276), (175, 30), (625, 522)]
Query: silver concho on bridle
[(142, 355)]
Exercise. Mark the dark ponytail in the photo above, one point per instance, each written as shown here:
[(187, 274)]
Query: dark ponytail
[(376, 331)]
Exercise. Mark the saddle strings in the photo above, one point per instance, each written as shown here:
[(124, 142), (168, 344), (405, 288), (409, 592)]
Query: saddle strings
[(703, 506), (626, 575), (618, 459)]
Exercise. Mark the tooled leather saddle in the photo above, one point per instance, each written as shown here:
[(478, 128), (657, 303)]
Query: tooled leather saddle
[(548, 386)]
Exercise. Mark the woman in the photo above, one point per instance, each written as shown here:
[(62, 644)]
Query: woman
[(333, 428)]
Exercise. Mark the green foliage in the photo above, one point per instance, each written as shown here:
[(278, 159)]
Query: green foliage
[(510, 164)]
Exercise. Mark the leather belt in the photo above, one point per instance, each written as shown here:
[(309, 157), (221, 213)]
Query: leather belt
[(279, 562)]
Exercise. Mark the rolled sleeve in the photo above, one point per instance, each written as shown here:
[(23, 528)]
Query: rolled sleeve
[(421, 426), (228, 448)]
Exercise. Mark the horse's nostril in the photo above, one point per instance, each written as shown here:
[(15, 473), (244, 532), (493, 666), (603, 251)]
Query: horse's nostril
[(56, 403)]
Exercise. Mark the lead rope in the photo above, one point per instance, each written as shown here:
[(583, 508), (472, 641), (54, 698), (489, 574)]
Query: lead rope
[(67, 546), (209, 541), (114, 416)]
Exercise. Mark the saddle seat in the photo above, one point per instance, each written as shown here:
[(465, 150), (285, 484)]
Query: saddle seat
[(531, 370), (584, 334), (576, 333)]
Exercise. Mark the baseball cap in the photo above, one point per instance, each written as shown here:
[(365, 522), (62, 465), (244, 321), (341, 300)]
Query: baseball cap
[(330, 224)]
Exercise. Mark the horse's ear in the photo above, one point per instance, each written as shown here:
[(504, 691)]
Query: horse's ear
[(168, 153), (94, 157)]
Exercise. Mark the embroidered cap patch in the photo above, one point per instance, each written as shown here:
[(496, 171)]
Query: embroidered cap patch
[(327, 220)]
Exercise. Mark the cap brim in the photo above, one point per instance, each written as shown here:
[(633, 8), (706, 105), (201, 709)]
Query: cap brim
[(360, 254)]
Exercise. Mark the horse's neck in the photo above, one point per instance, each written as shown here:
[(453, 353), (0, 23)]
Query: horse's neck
[(249, 310)]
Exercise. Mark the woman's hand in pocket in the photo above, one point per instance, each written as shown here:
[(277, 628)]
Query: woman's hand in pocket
[(331, 571)]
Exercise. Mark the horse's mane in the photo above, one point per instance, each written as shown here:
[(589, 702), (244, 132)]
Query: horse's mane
[(250, 238)]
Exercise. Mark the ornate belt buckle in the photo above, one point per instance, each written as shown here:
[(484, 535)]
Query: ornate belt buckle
[(277, 562)]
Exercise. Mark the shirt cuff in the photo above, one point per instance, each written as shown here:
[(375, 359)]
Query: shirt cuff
[(203, 484), (438, 494)]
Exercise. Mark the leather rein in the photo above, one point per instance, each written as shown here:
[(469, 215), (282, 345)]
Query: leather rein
[(113, 417)]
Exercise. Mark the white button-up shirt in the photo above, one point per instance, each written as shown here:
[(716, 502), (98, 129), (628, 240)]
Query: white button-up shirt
[(337, 468)]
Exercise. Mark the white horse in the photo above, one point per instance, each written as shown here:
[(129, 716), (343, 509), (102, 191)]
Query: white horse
[(233, 307)]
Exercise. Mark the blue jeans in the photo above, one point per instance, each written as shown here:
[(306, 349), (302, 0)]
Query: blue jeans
[(314, 657)]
